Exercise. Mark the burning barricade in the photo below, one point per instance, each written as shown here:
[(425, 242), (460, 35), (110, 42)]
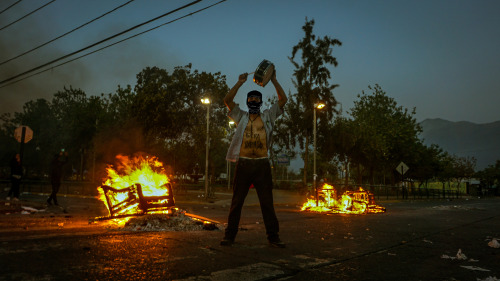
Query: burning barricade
[(139, 194), (351, 202)]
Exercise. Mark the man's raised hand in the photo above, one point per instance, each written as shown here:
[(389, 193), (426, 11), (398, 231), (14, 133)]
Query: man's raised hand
[(243, 78)]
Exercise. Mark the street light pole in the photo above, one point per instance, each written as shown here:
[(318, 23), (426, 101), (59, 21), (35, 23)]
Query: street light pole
[(207, 102), (316, 106)]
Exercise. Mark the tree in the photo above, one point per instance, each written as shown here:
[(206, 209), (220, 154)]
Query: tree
[(490, 176), (118, 131), (162, 116), (446, 172), (311, 77), (463, 168), (117, 107), (427, 164), (388, 132), (67, 121), (9, 145), (39, 116), (338, 142), (168, 108), (77, 116)]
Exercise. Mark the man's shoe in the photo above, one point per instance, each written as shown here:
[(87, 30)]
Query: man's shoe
[(277, 243), (226, 242)]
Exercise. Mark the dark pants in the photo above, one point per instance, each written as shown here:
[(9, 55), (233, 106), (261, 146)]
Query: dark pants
[(258, 173), (14, 188), (55, 190)]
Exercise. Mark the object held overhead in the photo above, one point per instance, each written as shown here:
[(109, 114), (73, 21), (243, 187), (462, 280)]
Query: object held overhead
[(263, 73)]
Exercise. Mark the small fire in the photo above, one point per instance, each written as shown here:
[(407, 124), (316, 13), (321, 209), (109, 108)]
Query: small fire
[(351, 202), (147, 171), (327, 200), (136, 186)]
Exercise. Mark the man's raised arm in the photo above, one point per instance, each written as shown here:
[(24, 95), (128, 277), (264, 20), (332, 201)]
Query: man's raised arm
[(282, 99), (229, 98)]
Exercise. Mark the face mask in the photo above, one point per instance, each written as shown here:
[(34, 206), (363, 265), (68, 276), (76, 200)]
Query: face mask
[(254, 107)]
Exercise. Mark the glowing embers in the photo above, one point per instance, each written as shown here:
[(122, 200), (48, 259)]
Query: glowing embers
[(131, 200), (351, 202)]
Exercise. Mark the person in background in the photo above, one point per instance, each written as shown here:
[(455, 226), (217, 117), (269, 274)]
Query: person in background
[(249, 149), (16, 173), (56, 167)]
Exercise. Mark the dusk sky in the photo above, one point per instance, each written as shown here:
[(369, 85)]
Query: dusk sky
[(441, 57)]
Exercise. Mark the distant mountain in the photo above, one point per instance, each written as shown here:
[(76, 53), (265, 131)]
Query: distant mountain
[(481, 141)]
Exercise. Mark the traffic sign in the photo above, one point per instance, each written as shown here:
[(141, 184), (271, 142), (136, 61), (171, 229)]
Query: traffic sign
[(402, 168), (28, 133), (283, 159)]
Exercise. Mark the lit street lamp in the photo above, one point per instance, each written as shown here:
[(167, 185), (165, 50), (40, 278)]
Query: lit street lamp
[(207, 102), (318, 105)]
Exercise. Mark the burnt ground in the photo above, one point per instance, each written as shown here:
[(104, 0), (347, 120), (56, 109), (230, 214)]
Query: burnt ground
[(413, 240)]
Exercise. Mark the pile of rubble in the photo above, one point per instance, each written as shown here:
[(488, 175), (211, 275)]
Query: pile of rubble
[(170, 222)]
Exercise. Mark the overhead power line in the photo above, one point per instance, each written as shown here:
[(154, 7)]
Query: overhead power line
[(59, 37), (1, 12), (118, 42), (30, 13), (97, 43)]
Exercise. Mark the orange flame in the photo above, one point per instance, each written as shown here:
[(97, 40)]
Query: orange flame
[(351, 202), (327, 200), (146, 171)]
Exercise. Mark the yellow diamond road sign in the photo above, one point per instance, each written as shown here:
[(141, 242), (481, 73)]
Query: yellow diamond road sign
[(402, 168)]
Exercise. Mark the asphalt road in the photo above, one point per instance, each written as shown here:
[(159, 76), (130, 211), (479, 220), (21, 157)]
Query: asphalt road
[(413, 240)]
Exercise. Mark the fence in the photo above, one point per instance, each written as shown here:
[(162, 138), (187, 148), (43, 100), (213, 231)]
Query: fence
[(391, 192), (44, 187), (78, 188), (380, 191), (398, 192)]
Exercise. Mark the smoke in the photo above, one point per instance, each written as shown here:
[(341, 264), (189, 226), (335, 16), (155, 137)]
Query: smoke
[(97, 73), (14, 41), (125, 140)]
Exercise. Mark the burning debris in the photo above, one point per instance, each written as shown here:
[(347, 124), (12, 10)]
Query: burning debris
[(132, 200), (160, 222), (139, 196), (351, 202)]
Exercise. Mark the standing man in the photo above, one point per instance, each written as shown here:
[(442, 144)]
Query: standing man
[(16, 173), (249, 149), (56, 171)]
